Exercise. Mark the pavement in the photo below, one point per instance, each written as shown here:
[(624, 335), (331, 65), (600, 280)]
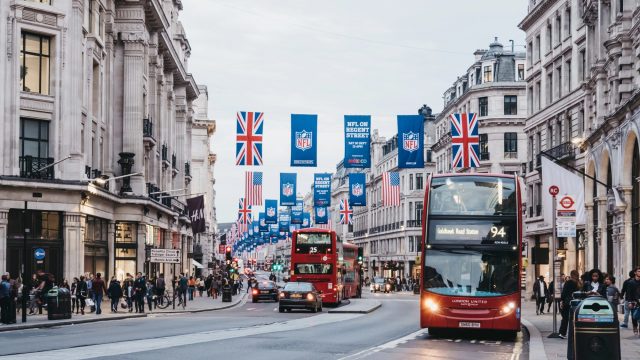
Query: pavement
[(357, 306), (199, 304), (543, 348)]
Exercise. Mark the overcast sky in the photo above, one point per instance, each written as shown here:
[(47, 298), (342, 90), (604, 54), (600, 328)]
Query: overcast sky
[(331, 58)]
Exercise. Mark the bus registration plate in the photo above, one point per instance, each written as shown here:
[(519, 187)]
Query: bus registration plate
[(464, 324)]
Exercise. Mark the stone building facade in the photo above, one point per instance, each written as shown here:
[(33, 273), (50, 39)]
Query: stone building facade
[(94, 90)]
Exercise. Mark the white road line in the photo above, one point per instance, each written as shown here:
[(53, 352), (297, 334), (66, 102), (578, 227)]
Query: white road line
[(249, 309), (154, 344), (389, 345)]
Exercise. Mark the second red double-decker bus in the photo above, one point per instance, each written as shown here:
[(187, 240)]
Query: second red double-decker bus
[(471, 254), (319, 257)]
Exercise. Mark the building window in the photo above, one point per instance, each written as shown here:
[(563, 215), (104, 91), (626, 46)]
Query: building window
[(410, 181), (567, 76), (510, 145), (583, 65), (34, 138), (549, 37), (125, 248), (538, 95), (567, 22), (511, 105), (34, 63), (418, 213), (550, 87), (538, 48), (520, 72), (484, 146), (488, 74), (429, 155), (483, 104), (529, 53), (419, 182)]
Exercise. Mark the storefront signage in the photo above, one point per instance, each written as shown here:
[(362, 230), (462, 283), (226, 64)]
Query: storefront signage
[(165, 256)]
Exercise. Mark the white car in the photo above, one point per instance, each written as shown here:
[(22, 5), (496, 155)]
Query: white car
[(378, 284)]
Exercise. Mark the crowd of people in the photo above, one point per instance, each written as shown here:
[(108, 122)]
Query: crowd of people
[(133, 293), (593, 282), (398, 283)]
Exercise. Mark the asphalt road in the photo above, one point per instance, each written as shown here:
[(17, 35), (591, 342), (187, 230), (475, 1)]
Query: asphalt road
[(259, 330)]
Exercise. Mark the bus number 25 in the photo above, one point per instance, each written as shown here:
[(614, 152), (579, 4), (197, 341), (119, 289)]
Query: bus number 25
[(313, 250)]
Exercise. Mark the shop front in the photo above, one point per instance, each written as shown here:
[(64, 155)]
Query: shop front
[(126, 249), (96, 251), (43, 233)]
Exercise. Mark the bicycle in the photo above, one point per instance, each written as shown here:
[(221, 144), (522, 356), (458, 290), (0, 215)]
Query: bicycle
[(168, 301)]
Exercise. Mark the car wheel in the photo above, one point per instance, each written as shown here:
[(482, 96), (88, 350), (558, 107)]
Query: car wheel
[(254, 300), (314, 309), (280, 310)]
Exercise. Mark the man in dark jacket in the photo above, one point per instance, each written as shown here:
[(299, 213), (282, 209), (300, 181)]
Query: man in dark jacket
[(159, 288), (540, 291), (627, 296), (140, 290), (115, 293), (99, 289)]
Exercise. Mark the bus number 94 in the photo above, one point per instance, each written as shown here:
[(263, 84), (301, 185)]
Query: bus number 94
[(497, 232)]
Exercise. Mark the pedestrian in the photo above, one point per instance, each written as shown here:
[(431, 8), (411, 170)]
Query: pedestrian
[(129, 293), (627, 296), (159, 289), (596, 284), (634, 303), (556, 297), (89, 280), (613, 294), (14, 290), (81, 293), (200, 286), (5, 300), (207, 284), (540, 292), (192, 287), (140, 290), (215, 286), (99, 290), (114, 293), (572, 285), (550, 294), (75, 307), (183, 285), (65, 284), (150, 293)]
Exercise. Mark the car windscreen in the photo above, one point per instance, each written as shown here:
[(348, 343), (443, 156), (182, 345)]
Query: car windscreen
[(293, 286), (309, 268), (266, 285)]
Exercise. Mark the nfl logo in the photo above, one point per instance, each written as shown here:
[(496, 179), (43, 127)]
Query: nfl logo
[(410, 141), (262, 223), (356, 190), (305, 222), (321, 212), (287, 189), (303, 140), (271, 212)]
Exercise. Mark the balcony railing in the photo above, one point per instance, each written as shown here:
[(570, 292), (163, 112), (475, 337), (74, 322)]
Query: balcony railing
[(152, 188), (511, 155), (147, 128), (484, 156), (414, 223), (178, 206), (562, 151), (30, 167)]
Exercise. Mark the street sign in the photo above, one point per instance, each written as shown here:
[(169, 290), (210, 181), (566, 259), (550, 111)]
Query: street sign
[(165, 256), (39, 254), (566, 217), (221, 249), (554, 190)]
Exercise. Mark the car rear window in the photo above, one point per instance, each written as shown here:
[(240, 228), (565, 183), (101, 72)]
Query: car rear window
[(298, 287)]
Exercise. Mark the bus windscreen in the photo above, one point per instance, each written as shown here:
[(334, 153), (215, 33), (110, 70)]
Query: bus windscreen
[(473, 195), (313, 243)]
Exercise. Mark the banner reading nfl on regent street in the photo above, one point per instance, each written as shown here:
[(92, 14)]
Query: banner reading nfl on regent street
[(357, 152)]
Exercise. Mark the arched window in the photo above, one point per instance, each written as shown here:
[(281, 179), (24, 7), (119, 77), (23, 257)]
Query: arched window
[(635, 205)]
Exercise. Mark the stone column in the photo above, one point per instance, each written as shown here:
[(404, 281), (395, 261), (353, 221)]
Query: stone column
[(133, 107), (627, 235), (111, 236), (4, 222), (180, 135), (73, 263)]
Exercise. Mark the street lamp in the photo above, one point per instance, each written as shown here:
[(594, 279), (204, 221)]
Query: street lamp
[(101, 181)]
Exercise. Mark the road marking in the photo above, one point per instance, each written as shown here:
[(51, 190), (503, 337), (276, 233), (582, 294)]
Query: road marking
[(153, 344), (249, 309), (389, 345)]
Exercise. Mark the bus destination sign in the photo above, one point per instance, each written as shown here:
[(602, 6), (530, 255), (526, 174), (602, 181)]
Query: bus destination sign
[(489, 233)]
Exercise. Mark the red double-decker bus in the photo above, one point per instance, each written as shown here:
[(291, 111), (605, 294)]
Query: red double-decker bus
[(471, 253), (319, 257)]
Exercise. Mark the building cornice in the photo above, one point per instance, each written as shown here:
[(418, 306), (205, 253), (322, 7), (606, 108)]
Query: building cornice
[(536, 13)]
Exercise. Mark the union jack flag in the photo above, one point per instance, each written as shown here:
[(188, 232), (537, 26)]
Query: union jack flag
[(249, 138), (465, 142), (244, 216), (346, 214)]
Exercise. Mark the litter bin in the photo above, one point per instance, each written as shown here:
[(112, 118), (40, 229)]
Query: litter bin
[(596, 330), (58, 304), (577, 296), (226, 293)]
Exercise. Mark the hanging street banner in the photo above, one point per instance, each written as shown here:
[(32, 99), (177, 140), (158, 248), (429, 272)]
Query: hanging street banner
[(287, 189), (249, 131), (283, 222), (321, 215), (465, 141), (357, 131), (322, 189), (273, 230), (306, 220), (565, 216), (410, 141), (195, 207), (304, 140), (358, 189), (256, 228), (271, 211), (264, 227), (296, 212)]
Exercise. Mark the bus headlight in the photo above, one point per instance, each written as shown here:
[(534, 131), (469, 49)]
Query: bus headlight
[(507, 308), (431, 305)]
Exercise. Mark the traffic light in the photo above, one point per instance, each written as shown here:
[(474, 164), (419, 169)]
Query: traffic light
[(227, 252), (360, 256)]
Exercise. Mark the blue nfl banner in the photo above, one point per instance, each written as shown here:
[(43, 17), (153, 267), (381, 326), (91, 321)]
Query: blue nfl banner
[(357, 130), (357, 189), (304, 138), (283, 223), (322, 189), (264, 227), (321, 215), (256, 228), (410, 141), (271, 211), (273, 230), (287, 189), (296, 212), (306, 220)]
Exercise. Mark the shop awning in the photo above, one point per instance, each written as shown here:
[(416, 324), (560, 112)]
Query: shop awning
[(196, 264)]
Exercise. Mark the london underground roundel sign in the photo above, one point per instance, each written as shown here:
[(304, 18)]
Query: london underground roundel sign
[(567, 202)]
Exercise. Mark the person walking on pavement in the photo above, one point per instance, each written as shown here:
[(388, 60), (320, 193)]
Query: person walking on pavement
[(540, 292), (149, 294), (572, 285), (207, 284), (160, 288), (81, 293), (183, 285), (613, 294), (192, 287), (5, 300), (99, 290), (596, 284), (550, 294), (75, 305), (634, 304), (129, 293), (115, 293), (626, 295), (140, 290)]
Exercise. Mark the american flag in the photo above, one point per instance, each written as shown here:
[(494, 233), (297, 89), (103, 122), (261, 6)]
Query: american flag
[(346, 213), (249, 138), (244, 216), (465, 142), (327, 226), (253, 187), (391, 189)]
